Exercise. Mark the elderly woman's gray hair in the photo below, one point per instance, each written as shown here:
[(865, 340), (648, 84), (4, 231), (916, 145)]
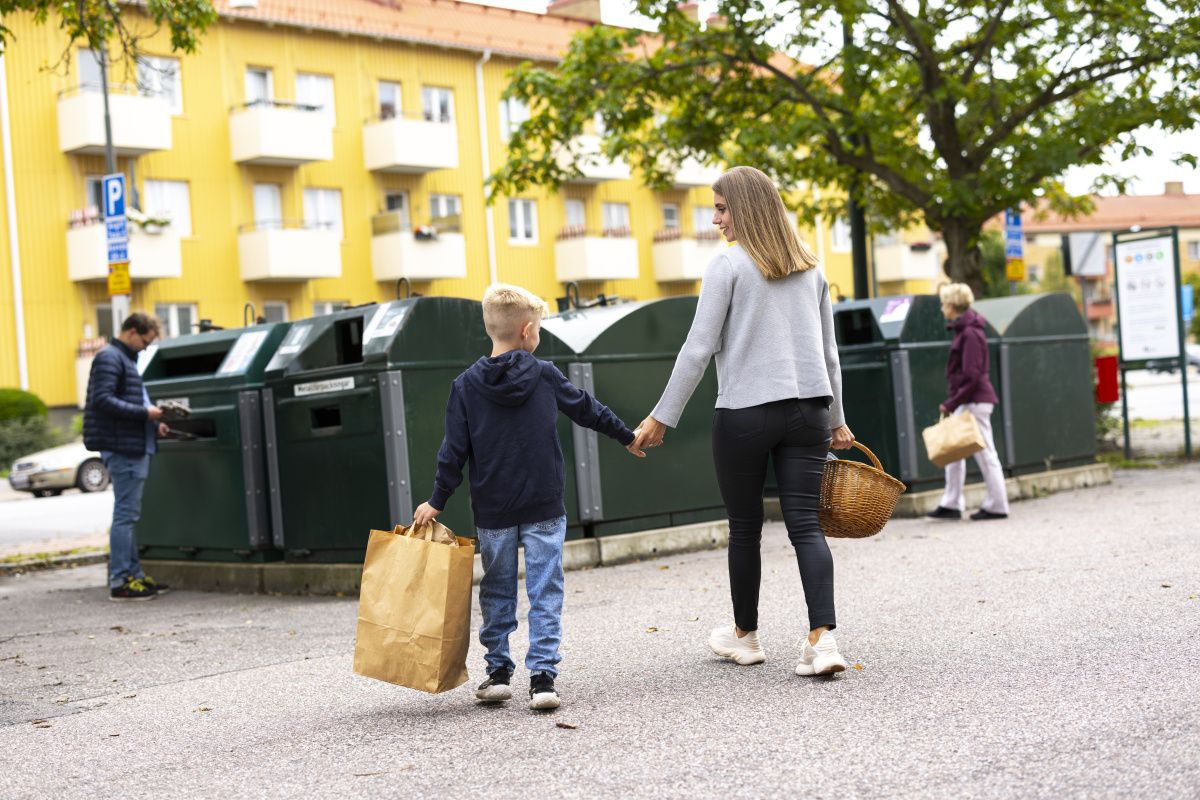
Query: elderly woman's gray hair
[(958, 295)]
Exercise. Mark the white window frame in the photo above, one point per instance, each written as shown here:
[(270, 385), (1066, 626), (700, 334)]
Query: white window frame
[(323, 209), (398, 106), (159, 76), (268, 218), (168, 318), (433, 98), (522, 219), (575, 211), (1193, 251), (616, 216), (88, 60), (316, 89), (270, 76), (839, 236), (171, 199), (277, 305), (323, 307), (445, 205), (702, 220), (675, 211), (513, 112)]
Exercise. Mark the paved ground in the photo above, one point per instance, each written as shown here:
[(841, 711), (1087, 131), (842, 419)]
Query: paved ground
[(1159, 395), (30, 524), (1053, 655)]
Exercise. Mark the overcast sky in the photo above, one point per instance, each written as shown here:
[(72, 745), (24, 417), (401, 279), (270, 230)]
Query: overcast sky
[(1150, 173)]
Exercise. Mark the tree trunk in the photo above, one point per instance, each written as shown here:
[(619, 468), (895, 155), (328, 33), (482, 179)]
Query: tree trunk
[(964, 262)]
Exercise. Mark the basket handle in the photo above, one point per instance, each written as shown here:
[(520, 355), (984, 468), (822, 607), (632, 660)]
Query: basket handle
[(870, 455)]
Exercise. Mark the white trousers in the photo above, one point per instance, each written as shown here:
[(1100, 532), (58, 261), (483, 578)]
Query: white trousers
[(989, 464)]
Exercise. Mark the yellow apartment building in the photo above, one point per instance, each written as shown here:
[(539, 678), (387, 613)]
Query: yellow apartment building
[(311, 155)]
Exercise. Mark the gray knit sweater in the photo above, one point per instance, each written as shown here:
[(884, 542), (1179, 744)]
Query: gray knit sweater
[(773, 340)]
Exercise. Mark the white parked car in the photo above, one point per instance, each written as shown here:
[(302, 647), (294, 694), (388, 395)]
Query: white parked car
[(51, 471)]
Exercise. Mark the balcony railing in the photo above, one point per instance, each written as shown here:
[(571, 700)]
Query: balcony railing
[(275, 133), (279, 250), (580, 255), (411, 144), (154, 251), (429, 252), (586, 154), (683, 258), (141, 122)]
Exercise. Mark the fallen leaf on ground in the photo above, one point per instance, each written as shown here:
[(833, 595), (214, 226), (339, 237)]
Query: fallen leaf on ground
[(203, 708), (369, 774), (858, 666), (1166, 586), (693, 619), (119, 629), (61, 700), (130, 696), (291, 633), (651, 629), (91, 637), (568, 725), (114, 734), (665, 566)]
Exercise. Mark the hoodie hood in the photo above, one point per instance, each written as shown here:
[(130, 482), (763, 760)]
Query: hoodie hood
[(506, 380), (969, 319)]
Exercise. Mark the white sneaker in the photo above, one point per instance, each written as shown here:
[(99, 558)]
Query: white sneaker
[(745, 650), (822, 658)]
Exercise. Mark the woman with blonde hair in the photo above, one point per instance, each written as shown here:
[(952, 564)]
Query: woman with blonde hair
[(765, 313), (971, 393)]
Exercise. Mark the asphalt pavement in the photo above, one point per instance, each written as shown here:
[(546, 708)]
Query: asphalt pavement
[(1052, 655)]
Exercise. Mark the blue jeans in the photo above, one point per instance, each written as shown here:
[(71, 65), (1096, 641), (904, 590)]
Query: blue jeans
[(128, 475), (543, 543)]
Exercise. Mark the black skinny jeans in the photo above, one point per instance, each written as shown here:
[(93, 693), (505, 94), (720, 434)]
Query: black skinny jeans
[(795, 433)]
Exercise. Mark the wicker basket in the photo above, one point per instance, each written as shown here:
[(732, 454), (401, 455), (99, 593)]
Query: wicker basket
[(857, 500)]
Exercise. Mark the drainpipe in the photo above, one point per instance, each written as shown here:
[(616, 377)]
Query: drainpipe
[(819, 231), (14, 246), (488, 215)]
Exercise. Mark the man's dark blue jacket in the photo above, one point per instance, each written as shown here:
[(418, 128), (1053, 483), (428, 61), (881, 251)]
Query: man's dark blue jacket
[(502, 416), (114, 419)]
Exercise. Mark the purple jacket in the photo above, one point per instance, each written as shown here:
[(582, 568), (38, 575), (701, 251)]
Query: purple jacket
[(967, 368)]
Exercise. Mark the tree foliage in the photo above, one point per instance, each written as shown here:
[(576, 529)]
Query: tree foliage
[(945, 111)]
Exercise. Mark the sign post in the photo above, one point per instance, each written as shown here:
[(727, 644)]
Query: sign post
[(117, 240), (1014, 249), (1149, 311)]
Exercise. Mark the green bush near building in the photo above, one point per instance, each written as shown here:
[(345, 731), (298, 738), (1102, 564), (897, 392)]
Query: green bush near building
[(19, 404), (24, 427)]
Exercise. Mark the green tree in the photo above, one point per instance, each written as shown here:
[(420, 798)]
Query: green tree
[(946, 111)]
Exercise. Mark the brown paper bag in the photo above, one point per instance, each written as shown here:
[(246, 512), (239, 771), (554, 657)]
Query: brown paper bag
[(414, 608), (953, 438)]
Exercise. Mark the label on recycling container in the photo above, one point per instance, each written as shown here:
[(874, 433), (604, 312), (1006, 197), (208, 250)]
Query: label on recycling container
[(323, 387)]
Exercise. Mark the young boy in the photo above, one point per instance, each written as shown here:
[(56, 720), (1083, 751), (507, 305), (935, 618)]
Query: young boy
[(502, 416)]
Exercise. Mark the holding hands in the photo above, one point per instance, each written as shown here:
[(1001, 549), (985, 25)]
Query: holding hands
[(649, 433)]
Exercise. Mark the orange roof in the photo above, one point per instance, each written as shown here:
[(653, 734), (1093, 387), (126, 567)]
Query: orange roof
[(1121, 212), (442, 23)]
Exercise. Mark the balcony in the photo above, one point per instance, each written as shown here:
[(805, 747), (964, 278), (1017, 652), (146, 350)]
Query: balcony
[(430, 253), (594, 166), (580, 256), (908, 261), (280, 134), (140, 123), (412, 145), (683, 258), (289, 252), (151, 255), (694, 175)]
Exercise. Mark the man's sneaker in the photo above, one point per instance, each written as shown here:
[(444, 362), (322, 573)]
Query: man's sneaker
[(745, 650), (983, 513), (161, 588), (542, 696), (941, 512), (133, 589), (495, 689), (822, 658)]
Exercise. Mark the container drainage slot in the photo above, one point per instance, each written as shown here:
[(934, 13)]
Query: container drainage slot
[(856, 326), (326, 417)]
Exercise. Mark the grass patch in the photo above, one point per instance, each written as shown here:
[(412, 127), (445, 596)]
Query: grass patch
[(1117, 460), (19, 558), (1151, 423)]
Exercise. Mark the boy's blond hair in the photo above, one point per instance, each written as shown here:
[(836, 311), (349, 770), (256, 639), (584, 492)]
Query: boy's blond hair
[(506, 308)]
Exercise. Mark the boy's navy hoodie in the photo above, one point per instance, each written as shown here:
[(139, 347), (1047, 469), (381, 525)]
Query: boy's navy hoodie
[(502, 416)]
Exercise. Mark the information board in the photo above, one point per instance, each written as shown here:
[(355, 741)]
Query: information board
[(1147, 298)]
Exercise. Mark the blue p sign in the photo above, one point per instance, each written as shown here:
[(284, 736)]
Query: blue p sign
[(114, 195)]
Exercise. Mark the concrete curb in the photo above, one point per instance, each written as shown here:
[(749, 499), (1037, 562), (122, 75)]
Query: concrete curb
[(54, 562), (344, 579)]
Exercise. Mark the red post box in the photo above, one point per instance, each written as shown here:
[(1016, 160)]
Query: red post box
[(1108, 389)]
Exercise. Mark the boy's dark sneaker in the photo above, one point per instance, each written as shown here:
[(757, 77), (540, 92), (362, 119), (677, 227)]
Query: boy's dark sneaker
[(542, 696), (161, 588), (496, 688), (982, 514), (133, 589), (941, 512)]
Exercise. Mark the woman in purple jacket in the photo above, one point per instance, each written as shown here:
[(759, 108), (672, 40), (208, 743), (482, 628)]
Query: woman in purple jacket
[(970, 392)]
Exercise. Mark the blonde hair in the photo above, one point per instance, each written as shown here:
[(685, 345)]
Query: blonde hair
[(761, 223), (506, 308), (958, 295)]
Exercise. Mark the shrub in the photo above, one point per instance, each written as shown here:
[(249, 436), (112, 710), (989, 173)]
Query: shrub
[(21, 437), (19, 404)]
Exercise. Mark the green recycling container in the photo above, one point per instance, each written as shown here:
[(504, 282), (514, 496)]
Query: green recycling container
[(355, 404), (1047, 405), (893, 353), (623, 355), (207, 495)]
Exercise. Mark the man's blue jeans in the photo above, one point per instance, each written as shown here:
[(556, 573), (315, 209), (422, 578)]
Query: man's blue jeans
[(128, 475), (543, 543)]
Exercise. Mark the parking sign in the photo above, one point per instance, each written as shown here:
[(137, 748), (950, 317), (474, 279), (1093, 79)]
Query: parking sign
[(114, 195)]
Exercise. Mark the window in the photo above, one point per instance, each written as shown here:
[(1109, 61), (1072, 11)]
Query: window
[(522, 221), (104, 321), (839, 235), (170, 199), (323, 209), (512, 113), (702, 221), (93, 192), (576, 213), (88, 66), (444, 205), (670, 214), (389, 99), (316, 90), (275, 310), (323, 307), (259, 89), (159, 77), (176, 319), (268, 209), (616, 219), (438, 104), (1193, 251)]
